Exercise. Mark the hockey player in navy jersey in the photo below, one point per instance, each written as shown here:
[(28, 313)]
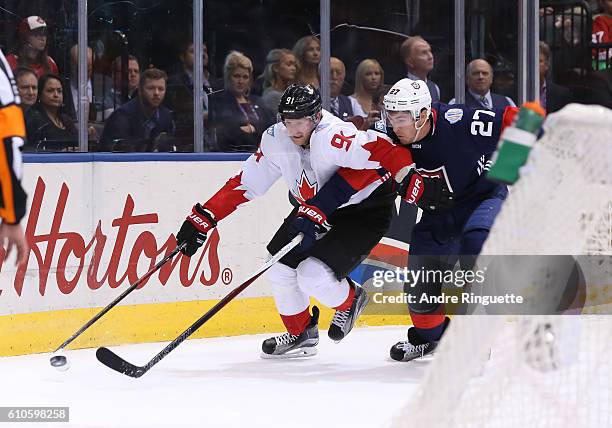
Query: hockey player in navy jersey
[(454, 143), (342, 215)]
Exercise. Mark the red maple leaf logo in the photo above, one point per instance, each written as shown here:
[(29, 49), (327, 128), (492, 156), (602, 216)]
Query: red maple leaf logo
[(305, 190)]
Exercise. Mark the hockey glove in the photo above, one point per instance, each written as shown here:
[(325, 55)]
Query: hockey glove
[(428, 193), (310, 221), (194, 229)]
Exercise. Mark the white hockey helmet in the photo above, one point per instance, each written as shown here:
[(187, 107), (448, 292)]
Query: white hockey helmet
[(408, 95)]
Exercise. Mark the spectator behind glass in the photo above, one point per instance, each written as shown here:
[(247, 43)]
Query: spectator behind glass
[(379, 95), (479, 78), (32, 47), (27, 85), (307, 51), (280, 72), (368, 78), (133, 79), (46, 120), (602, 33), (342, 106), (180, 96), (142, 124), (100, 89), (72, 93), (553, 97), (102, 84), (236, 116), (419, 61)]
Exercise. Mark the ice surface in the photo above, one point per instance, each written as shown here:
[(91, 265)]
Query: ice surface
[(222, 382)]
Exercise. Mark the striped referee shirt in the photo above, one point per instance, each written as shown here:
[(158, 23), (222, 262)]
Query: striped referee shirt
[(12, 136)]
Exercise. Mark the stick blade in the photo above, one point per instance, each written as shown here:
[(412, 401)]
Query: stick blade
[(115, 362)]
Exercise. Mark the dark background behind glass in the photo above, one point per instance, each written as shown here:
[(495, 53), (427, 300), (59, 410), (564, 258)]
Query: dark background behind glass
[(154, 30)]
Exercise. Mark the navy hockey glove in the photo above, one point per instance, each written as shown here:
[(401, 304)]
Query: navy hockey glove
[(194, 229), (311, 216), (428, 193), (310, 221)]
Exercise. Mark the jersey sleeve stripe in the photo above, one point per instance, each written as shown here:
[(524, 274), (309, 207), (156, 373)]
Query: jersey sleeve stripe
[(359, 179), (7, 93)]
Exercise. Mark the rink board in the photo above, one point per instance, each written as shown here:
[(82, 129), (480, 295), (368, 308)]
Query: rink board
[(44, 331), (97, 222)]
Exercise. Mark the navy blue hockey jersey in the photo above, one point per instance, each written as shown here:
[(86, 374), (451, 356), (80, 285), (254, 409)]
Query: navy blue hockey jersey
[(459, 148)]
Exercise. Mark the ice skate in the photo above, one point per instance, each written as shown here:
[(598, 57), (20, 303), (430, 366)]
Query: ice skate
[(415, 347), (288, 345), (343, 321)]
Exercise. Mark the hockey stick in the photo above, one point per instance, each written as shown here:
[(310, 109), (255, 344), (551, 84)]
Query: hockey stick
[(120, 297), (115, 362)]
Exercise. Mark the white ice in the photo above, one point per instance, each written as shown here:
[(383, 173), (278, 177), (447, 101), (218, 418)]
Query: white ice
[(222, 382)]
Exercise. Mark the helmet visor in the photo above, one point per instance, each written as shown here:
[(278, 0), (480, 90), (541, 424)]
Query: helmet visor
[(398, 119)]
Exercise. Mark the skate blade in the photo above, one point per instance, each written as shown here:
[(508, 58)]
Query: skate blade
[(296, 353)]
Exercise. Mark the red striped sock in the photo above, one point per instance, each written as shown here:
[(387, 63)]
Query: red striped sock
[(296, 324)]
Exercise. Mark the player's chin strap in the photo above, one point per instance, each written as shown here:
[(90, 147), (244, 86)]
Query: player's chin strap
[(315, 122), (418, 129)]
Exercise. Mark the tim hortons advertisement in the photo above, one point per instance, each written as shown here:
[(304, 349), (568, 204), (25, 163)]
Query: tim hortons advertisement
[(95, 228)]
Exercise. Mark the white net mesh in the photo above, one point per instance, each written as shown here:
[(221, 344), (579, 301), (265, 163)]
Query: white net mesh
[(538, 371)]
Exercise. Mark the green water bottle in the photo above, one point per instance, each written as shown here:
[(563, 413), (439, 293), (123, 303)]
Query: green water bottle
[(515, 144)]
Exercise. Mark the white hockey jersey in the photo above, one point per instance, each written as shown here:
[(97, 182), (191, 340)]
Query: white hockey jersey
[(335, 146)]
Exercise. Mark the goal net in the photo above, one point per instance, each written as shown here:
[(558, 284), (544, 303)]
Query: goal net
[(538, 370)]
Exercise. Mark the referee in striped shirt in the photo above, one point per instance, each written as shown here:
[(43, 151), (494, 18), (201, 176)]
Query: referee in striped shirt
[(12, 195)]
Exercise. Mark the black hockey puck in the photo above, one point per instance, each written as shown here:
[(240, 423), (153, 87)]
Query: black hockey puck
[(60, 362)]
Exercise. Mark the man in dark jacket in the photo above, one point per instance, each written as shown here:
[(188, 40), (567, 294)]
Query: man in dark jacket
[(553, 97), (180, 96), (142, 124)]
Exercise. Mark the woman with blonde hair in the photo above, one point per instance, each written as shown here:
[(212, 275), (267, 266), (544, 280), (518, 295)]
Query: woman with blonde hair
[(236, 116), (307, 51), (280, 72), (369, 77)]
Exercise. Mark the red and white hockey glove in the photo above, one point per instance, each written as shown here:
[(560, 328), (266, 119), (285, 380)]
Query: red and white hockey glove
[(428, 193), (194, 229), (312, 222)]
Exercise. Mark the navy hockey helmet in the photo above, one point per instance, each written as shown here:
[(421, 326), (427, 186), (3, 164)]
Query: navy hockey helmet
[(300, 101)]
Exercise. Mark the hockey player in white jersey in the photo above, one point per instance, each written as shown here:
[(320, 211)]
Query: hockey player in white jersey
[(342, 213)]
